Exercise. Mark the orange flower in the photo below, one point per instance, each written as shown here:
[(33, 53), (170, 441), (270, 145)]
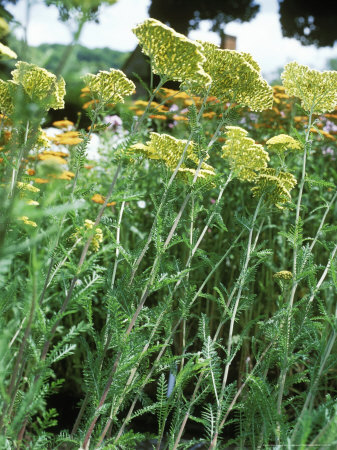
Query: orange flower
[(331, 116), (98, 198), (209, 115), (175, 117), (157, 116), (63, 123), (213, 99), (300, 118), (89, 103), (325, 133), (30, 172), (52, 158), (66, 175), (52, 153), (85, 90), (67, 138)]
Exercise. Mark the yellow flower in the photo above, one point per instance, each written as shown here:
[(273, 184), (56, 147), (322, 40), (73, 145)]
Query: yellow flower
[(282, 142), (52, 159), (274, 186), (157, 116), (283, 275), (244, 155), (169, 150), (65, 175), (65, 123), (98, 235), (27, 187), (98, 198), (53, 153), (172, 54), (8, 91), (316, 90), (40, 85), (110, 86), (6, 52), (32, 203), (26, 221), (67, 138), (235, 77)]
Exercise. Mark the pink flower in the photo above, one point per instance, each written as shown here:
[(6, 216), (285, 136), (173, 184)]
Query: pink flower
[(114, 122)]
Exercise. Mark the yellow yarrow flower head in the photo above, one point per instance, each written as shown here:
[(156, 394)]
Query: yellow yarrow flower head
[(27, 187), (169, 150), (6, 52), (282, 142), (26, 221), (98, 235), (275, 186), (283, 275), (172, 54), (40, 85), (316, 90), (8, 92), (42, 140), (109, 87), (245, 157), (235, 77)]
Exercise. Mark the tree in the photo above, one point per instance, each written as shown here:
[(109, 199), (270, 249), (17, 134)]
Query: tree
[(309, 21), (185, 15)]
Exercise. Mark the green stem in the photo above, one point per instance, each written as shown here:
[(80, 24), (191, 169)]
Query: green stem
[(284, 369)]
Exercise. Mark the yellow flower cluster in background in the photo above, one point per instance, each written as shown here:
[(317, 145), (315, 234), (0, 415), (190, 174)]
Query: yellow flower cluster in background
[(172, 54), (316, 90), (245, 157), (27, 187), (65, 123), (26, 221), (67, 138), (156, 110), (110, 87), (98, 198), (97, 238)]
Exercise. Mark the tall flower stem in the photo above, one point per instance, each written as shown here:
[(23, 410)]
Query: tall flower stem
[(241, 283), (163, 199), (284, 369), (310, 396)]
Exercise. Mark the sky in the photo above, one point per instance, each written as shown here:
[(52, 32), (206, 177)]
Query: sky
[(261, 36)]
